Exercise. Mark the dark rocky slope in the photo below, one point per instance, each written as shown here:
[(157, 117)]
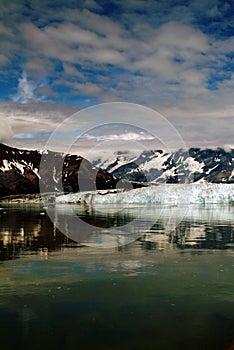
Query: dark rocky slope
[(20, 172)]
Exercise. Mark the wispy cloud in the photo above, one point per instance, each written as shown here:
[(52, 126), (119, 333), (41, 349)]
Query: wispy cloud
[(128, 136), (26, 91)]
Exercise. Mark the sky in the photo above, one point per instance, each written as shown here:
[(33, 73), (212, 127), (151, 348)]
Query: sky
[(173, 56)]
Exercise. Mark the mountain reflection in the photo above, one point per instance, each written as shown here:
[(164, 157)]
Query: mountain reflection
[(30, 231), (27, 230)]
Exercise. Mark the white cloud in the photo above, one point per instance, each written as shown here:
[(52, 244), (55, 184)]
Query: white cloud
[(24, 120), (175, 52), (156, 58), (38, 67), (29, 125), (26, 90), (128, 136), (180, 36), (24, 136)]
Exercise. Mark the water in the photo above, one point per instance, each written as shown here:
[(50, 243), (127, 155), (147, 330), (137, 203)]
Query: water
[(172, 288)]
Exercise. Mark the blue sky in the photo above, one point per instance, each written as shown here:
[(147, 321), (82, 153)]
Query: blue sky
[(176, 57)]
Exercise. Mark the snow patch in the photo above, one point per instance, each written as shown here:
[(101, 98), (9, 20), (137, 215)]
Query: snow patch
[(6, 165), (18, 166), (194, 165), (155, 163)]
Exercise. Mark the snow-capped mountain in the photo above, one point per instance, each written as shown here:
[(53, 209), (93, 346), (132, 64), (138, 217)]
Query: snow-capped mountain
[(20, 172), (20, 169), (194, 165)]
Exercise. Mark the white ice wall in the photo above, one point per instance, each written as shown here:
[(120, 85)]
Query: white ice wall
[(168, 194)]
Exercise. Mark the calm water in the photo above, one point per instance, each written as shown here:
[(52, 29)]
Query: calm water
[(171, 288)]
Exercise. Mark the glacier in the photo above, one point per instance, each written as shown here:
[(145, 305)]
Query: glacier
[(163, 194), (140, 209)]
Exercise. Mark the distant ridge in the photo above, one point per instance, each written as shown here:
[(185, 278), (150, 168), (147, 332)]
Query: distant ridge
[(195, 165)]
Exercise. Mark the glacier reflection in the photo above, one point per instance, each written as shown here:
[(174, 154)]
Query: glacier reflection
[(28, 230)]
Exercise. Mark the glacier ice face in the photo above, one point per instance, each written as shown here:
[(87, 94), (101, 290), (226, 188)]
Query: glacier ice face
[(166, 194)]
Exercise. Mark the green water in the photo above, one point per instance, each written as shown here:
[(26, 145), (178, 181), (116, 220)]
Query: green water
[(166, 290)]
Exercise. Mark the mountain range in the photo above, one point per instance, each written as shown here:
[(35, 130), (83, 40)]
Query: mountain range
[(21, 171), (158, 166)]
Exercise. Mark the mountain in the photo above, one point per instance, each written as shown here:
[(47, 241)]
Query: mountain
[(19, 172), (194, 165), (19, 169)]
